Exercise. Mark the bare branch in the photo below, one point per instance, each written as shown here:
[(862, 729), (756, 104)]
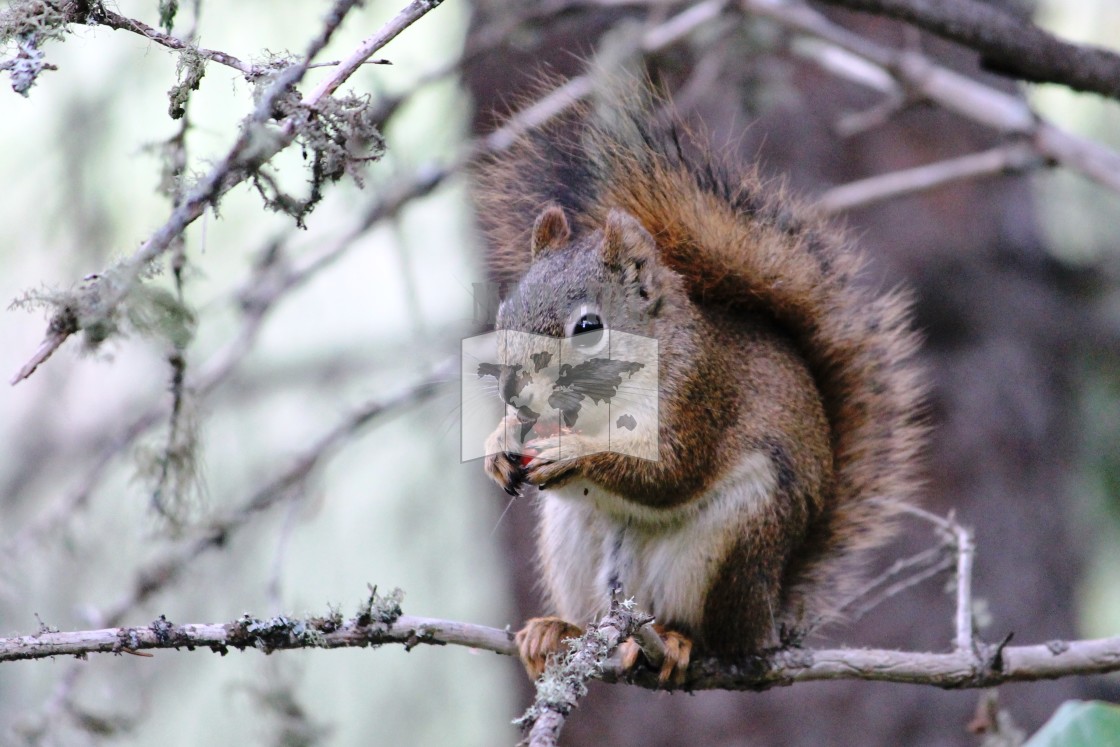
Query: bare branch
[(562, 685), (958, 669), (1008, 44), (51, 342), (908, 71), (105, 17), (966, 550), (409, 15), (1007, 159)]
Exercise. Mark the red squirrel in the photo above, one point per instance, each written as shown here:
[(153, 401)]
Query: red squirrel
[(788, 401)]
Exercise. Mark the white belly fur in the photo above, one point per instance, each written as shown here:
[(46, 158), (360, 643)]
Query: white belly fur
[(662, 558)]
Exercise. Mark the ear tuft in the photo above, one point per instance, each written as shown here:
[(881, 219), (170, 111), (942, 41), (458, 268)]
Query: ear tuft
[(550, 230)]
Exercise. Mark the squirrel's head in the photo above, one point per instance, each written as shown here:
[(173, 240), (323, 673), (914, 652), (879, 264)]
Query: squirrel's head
[(579, 335), (609, 278)]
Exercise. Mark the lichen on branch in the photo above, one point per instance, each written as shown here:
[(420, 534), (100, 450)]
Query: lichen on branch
[(337, 137), (25, 25)]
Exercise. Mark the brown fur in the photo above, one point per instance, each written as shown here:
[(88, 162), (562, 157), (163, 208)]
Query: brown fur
[(769, 285)]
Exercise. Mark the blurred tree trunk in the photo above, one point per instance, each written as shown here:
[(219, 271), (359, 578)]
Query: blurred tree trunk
[(997, 314)]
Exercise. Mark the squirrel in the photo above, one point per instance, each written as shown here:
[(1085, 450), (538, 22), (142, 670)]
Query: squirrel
[(788, 401)]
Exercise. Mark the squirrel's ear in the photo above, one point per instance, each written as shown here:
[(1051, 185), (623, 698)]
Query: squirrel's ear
[(626, 243), (550, 230), (630, 250)]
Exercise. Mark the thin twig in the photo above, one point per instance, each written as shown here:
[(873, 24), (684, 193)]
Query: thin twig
[(159, 573), (102, 16), (411, 13), (965, 640), (51, 342), (1006, 159), (902, 575), (652, 645), (964, 547)]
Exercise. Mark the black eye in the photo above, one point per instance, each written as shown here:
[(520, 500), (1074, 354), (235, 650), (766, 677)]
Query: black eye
[(588, 331)]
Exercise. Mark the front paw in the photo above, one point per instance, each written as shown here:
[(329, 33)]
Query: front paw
[(678, 652), (502, 463), (541, 639), (553, 458), (674, 667), (506, 470)]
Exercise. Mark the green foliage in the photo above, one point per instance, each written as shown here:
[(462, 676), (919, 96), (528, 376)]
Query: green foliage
[(1080, 724)]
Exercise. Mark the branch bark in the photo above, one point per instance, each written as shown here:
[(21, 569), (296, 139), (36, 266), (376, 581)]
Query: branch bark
[(1007, 44), (1005, 159), (560, 687), (102, 16), (267, 635), (996, 664)]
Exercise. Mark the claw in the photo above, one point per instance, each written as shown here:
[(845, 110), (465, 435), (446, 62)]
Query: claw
[(541, 639), (629, 651), (678, 651), (505, 469)]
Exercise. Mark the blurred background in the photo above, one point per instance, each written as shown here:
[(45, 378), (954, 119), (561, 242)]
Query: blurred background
[(1016, 281)]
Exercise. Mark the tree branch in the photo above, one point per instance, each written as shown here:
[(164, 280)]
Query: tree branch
[(102, 16), (413, 12), (1007, 44), (1005, 159), (380, 624), (267, 635), (562, 685), (901, 71), (247, 154)]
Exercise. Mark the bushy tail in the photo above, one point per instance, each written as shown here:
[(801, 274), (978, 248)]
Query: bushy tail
[(740, 243)]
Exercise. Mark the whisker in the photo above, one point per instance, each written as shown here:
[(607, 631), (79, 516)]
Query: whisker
[(498, 523)]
